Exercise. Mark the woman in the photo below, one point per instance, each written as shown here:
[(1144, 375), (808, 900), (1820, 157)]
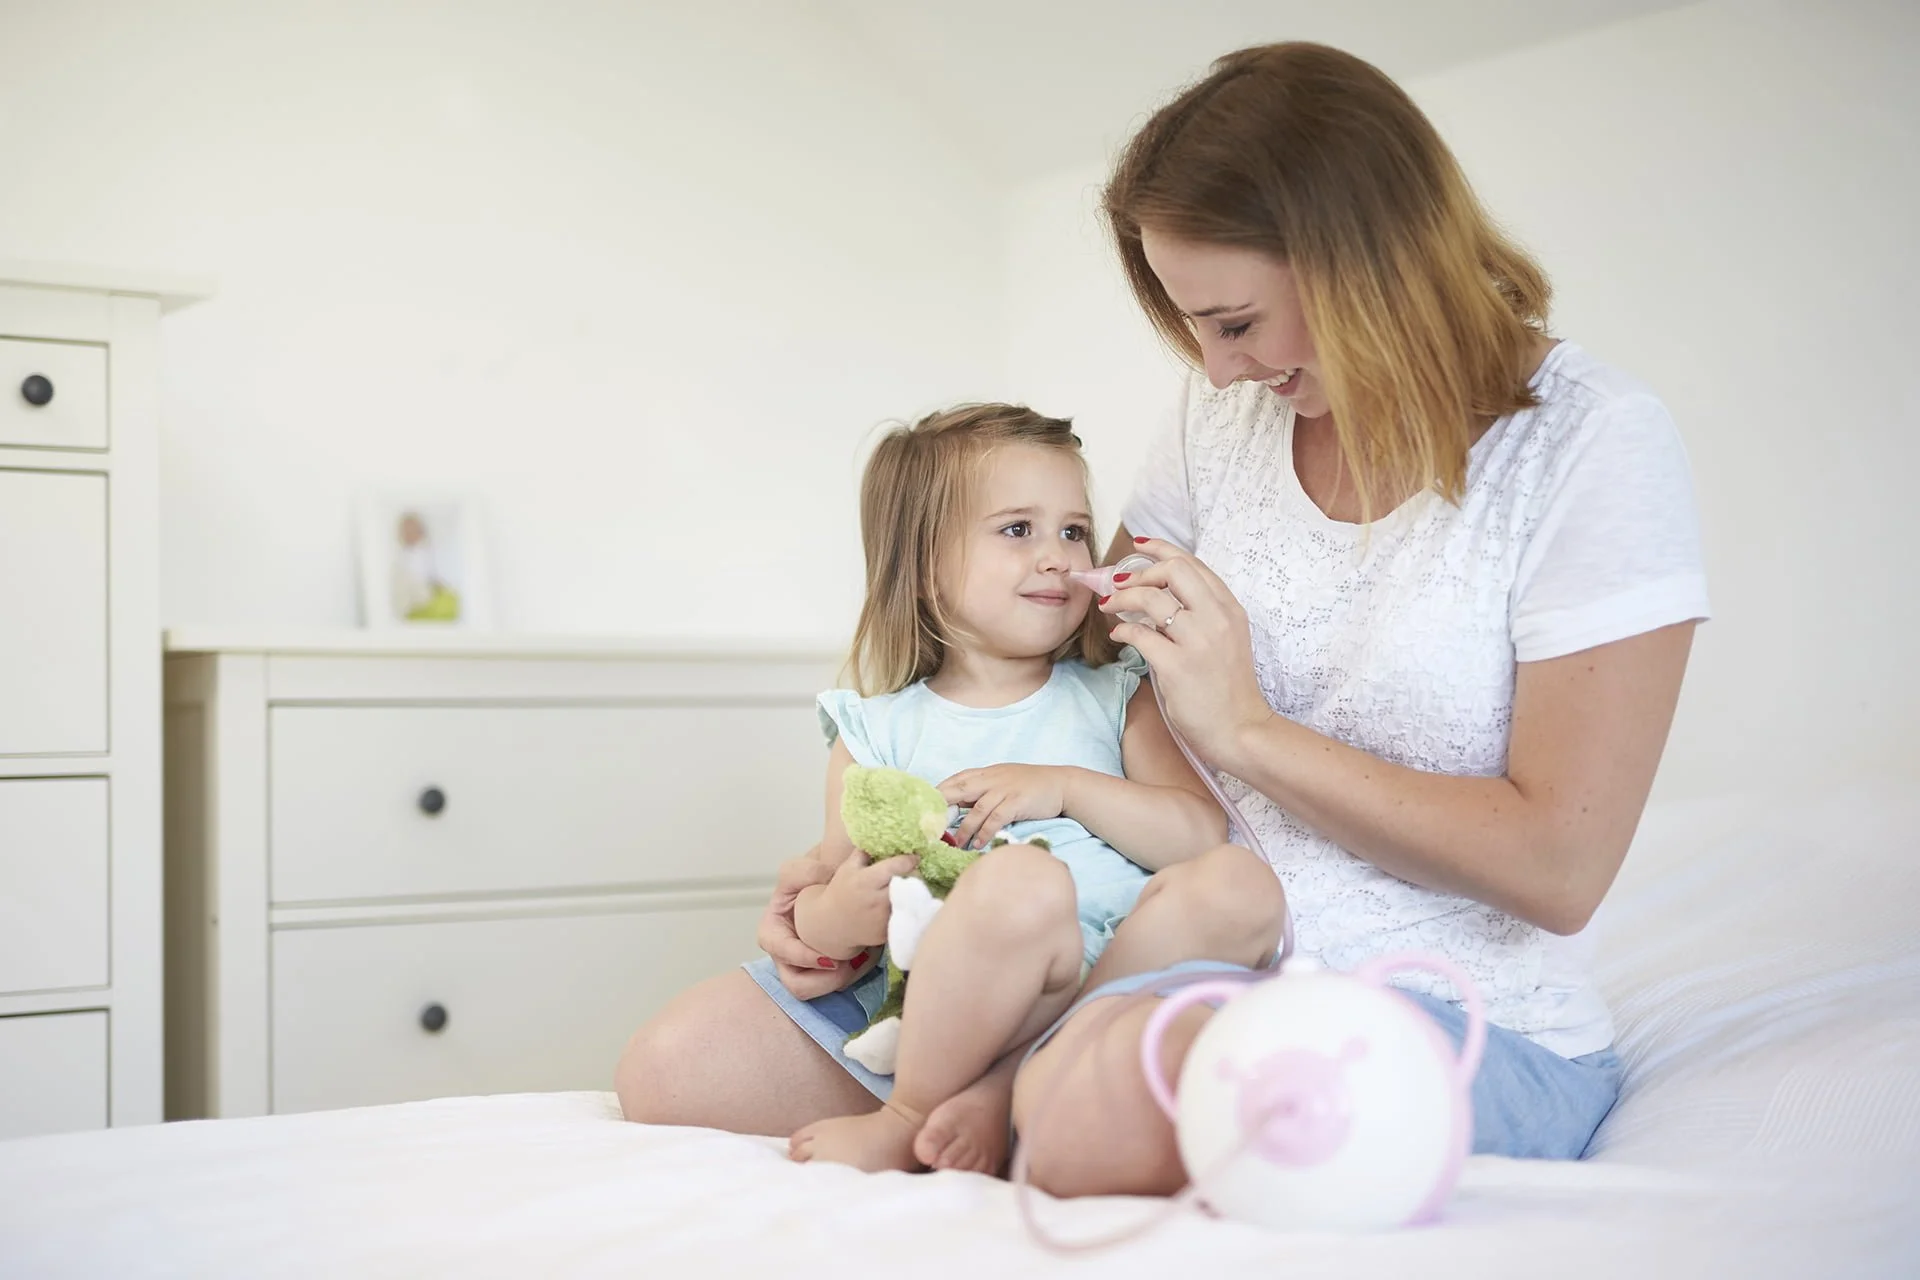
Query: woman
[(1437, 591), (1443, 579)]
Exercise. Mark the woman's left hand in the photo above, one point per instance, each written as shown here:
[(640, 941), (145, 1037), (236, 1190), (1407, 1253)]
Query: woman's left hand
[(1003, 794), (1198, 647)]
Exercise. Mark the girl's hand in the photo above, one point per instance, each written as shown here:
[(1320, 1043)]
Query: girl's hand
[(1198, 647), (1002, 794), (853, 909)]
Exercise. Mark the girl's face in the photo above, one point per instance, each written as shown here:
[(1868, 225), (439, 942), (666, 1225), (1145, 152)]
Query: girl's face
[(1029, 525), (1245, 310)]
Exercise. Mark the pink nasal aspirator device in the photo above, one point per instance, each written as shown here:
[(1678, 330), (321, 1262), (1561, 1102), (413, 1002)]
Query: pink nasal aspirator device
[(1311, 1100), (1100, 581)]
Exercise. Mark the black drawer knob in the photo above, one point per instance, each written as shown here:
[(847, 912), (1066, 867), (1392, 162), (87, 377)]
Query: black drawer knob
[(434, 1017), (432, 801), (37, 389)]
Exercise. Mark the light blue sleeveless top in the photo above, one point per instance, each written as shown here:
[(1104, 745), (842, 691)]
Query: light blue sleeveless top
[(1076, 718)]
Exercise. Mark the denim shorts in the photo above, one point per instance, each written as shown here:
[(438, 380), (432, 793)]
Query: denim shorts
[(1528, 1101), (833, 1019)]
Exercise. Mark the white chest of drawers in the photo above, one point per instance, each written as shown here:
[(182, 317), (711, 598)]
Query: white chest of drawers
[(80, 1017), (409, 865)]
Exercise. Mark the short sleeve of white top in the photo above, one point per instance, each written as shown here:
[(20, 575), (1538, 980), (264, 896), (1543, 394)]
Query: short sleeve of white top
[(1577, 528)]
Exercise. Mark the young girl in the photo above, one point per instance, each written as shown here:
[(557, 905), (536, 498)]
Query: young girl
[(982, 668)]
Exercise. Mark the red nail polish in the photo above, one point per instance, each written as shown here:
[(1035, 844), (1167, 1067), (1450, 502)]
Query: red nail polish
[(860, 959), (827, 964), (1104, 599), (1121, 577), (1137, 541)]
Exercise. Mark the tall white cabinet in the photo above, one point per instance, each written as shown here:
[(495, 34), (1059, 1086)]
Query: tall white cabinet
[(80, 853)]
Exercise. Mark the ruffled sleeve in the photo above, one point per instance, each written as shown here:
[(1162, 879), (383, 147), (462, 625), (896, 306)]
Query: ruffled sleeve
[(843, 717), (1114, 686), (1129, 669)]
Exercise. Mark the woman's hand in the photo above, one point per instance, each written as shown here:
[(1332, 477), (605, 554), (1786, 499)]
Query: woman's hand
[(801, 968), (1002, 794), (1198, 647), (850, 914)]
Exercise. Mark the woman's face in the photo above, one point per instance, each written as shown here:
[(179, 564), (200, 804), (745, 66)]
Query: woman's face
[(1245, 310)]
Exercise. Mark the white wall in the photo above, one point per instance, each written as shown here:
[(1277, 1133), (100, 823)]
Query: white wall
[(1076, 345), (1727, 197), (642, 277)]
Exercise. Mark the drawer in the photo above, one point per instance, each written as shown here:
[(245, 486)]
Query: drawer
[(380, 802), (529, 1004), (53, 864), (53, 613), (73, 378), (53, 1073)]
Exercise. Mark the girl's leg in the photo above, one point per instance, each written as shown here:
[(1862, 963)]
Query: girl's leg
[(1225, 904), (723, 1055), (1085, 1118), (998, 965)]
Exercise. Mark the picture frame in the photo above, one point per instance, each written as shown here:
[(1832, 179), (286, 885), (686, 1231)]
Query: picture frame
[(422, 562)]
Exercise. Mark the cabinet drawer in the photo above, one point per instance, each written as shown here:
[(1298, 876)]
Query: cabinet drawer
[(53, 623), (53, 1073), (71, 379), (529, 1004), (379, 802), (53, 862)]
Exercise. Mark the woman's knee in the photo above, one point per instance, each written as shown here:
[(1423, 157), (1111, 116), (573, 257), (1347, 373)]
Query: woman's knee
[(1019, 890), (1086, 1122), (1235, 896), (676, 1046), (657, 1051), (724, 1056)]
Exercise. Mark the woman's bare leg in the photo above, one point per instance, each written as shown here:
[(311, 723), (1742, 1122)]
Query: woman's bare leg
[(724, 1056), (1085, 1118), (998, 964)]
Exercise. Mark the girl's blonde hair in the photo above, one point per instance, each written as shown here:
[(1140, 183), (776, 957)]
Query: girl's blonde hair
[(915, 501), (1423, 313)]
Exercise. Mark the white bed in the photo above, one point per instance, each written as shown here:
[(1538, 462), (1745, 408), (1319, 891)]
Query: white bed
[(1765, 968)]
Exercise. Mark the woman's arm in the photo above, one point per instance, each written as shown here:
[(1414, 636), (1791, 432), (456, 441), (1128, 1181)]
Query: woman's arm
[(1543, 843)]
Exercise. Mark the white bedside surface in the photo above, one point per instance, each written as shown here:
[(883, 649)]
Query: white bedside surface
[(171, 289), (427, 642)]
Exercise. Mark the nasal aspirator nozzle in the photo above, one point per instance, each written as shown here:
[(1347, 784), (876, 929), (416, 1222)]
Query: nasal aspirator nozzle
[(1100, 581)]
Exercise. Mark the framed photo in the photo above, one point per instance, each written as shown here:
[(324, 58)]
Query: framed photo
[(422, 562)]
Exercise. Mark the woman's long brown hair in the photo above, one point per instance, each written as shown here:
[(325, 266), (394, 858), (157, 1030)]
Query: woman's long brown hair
[(1424, 315)]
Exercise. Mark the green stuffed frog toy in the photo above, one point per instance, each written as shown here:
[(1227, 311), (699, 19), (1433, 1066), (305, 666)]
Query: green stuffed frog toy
[(888, 813)]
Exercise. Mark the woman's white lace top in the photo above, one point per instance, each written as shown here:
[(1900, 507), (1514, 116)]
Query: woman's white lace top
[(1577, 528)]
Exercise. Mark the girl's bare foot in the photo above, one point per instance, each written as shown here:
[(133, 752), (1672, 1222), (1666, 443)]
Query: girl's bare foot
[(879, 1140), (969, 1130)]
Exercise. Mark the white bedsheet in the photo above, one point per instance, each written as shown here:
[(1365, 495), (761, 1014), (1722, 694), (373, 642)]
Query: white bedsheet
[(1764, 967)]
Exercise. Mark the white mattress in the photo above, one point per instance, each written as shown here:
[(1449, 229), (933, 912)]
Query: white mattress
[(1765, 969)]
